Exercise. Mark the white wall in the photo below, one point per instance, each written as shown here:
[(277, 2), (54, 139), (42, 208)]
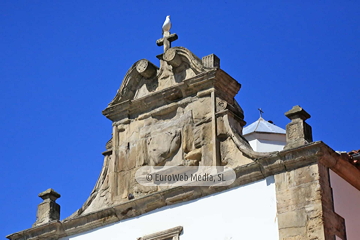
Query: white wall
[(266, 142), (346, 204), (246, 212)]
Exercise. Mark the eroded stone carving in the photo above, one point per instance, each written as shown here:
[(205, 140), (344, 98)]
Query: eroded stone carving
[(182, 114), (146, 68), (108, 145), (169, 234), (172, 57), (163, 147)]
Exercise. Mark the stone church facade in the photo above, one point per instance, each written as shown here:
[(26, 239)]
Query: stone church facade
[(183, 113)]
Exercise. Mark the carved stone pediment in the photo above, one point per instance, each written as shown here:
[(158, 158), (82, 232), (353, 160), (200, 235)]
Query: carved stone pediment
[(143, 78), (182, 113)]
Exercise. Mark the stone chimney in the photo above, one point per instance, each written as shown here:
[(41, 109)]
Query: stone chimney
[(48, 210), (298, 132)]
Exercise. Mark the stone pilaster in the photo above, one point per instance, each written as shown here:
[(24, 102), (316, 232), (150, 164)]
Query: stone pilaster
[(305, 206), (299, 204), (298, 132), (48, 210)]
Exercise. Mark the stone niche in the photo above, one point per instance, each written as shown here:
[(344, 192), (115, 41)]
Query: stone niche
[(182, 113)]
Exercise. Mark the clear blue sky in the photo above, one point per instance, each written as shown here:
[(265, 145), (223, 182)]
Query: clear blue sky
[(61, 63)]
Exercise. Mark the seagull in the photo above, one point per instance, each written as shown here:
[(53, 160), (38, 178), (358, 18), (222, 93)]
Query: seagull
[(167, 25)]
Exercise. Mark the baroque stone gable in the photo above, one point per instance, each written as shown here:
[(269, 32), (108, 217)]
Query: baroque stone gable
[(182, 113)]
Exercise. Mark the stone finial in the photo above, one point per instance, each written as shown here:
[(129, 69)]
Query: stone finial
[(166, 40), (297, 112), (298, 132), (48, 210), (211, 61)]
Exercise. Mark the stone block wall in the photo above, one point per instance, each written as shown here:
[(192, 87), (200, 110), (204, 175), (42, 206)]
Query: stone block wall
[(305, 205)]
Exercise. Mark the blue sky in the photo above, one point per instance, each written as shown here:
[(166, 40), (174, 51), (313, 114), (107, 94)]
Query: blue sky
[(62, 62)]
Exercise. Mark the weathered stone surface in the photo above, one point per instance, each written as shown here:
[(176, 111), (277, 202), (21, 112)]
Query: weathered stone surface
[(304, 175), (163, 147), (297, 112), (146, 68), (98, 214), (187, 138), (298, 132), (211, 61), (48, 210), (183, 113), (172, 233), (305, 204), (166, 40), (194, 155), (230, 156), (172, 57)]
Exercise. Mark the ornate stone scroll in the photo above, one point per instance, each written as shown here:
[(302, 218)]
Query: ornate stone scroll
[(146, 68)]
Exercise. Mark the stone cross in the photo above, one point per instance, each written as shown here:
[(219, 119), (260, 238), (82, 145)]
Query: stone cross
[(166, 40)]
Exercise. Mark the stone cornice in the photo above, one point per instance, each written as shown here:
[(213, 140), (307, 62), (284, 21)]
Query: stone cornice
[(225, 86), (341, 166), (262, 167), (137, 106), (167, 234)]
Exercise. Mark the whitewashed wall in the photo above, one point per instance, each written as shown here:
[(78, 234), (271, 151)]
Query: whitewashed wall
[(246, 212), (266, 142), (346, 204)]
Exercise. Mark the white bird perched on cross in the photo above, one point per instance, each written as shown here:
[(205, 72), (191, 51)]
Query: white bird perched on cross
[(167, 25)]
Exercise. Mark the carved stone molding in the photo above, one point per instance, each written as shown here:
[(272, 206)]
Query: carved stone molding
[(276, 163), (172, 57), (211, 61), (169, 234), (146, 68)]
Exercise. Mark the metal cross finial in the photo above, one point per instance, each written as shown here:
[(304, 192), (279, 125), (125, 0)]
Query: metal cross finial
[(261, 112)]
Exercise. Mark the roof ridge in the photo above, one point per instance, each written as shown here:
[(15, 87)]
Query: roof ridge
[(257, 125), (261, 125)]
